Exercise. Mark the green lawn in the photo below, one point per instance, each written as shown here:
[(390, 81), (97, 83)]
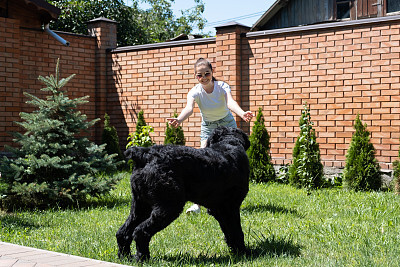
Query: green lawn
[(283, 226)]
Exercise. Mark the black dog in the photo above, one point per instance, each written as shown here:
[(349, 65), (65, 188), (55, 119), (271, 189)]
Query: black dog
[(165, 177)]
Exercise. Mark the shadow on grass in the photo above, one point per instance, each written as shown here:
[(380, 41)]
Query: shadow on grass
[(105, 201), (12, 221), (270, 208), (275, 247), (270, 247)]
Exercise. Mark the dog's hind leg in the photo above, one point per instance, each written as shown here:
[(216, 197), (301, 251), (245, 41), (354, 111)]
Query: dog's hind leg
[(139, 213), (160, 218), (229, 220)]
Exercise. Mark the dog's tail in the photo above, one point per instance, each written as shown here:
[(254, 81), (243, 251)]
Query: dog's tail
[(138, 155)]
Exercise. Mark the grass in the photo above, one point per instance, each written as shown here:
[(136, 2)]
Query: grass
[(283, 226)]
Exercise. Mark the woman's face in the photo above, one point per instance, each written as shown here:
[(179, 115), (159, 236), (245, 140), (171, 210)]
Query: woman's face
[(203, 74)]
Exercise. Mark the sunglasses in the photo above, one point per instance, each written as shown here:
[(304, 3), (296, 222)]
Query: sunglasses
[(207, 74)]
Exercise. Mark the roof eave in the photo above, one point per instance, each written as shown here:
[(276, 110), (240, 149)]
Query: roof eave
[(269, 14), (50, 12)]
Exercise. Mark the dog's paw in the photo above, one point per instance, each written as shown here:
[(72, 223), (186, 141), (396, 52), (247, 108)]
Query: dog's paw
[(125, 256), (243, 251), (142, 257)]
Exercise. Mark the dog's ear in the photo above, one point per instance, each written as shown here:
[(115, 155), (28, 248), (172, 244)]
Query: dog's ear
[(246, 141), (217, 135), (128, 153), (244, 137)]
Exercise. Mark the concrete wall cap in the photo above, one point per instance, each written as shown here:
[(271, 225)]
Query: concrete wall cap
[(101, 19)]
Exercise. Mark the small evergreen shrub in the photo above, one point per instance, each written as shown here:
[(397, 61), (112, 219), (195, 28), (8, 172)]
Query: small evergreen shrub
[(174, 136), (261, 168), (110, 138), (362, 171), (306, 169), (140, 122), (55, 163)]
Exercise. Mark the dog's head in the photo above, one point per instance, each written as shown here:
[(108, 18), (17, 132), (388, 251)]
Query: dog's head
[(227, 135)]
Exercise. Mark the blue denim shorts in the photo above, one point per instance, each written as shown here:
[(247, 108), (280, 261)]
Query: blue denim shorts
[(207, 127)]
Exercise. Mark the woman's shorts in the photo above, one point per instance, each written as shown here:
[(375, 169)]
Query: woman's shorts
[(207, 127)]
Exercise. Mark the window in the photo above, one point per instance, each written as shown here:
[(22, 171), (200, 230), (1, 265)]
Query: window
[(343, 9), (393, 6)]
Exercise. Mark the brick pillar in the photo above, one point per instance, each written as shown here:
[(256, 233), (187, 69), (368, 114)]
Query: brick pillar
[(105, 31), (228, 62), (11, 95)]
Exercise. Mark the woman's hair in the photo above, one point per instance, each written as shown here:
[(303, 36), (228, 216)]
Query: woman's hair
[(203, 61)]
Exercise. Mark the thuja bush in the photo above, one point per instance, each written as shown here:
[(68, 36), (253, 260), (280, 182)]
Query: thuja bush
[(362, 171), (110, 138), (174, 136), (261, 168), (55, 163), (306, 169), (141, 122)]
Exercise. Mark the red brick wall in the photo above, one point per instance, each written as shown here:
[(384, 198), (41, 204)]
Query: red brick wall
[(339, 72), (155, 80), (28, 53), (9, 77)]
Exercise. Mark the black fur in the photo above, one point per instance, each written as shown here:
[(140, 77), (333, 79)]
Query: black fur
[(165, 177)]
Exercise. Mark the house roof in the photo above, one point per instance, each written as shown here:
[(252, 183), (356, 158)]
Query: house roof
[(184, 36), (269, 14), (47, 11)]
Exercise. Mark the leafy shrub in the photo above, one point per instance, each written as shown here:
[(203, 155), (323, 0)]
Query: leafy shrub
[(261, 168), (110, 138), (362, 171), (334, 181), (283, 174), (306, 169), (173, 135), (141, 138), (55, 163)]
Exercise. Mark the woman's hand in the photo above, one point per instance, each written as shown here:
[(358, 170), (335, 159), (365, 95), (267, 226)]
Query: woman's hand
[(247, 116), (174, 122)]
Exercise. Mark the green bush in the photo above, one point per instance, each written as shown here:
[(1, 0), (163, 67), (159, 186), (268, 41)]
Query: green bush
[(362, 171), (283, 174), (110, 138), (174, 136), (141, 137), (261, 168), (140, 122), (306, 169), (55, 163)]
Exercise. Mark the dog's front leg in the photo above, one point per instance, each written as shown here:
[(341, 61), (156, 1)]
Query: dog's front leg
[(229, 220), (124, 238)]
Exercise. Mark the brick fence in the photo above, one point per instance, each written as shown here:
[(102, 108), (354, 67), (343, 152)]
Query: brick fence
[(340, 69)]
